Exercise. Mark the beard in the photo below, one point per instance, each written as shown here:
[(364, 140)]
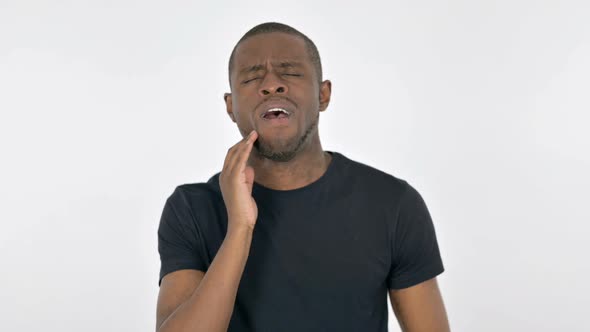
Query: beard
[(284, 150)]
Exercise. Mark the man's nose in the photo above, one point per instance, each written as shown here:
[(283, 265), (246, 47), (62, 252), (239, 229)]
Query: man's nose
[(272, 84)]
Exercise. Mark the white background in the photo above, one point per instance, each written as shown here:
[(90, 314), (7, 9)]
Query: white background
[(107, 106)]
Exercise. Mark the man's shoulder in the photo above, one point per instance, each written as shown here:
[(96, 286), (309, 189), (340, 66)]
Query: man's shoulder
[(364, 174), (197, 191)]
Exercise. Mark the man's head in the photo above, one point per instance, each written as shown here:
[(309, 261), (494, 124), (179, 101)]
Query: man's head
[(275, 67), (271, 27)]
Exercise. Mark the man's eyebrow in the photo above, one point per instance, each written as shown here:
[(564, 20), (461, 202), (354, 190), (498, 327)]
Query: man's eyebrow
[(258, 67), (289, 64), (251, 69)]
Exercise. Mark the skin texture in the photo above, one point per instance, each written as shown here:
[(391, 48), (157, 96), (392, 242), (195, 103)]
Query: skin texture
[(420, 308), (269, 69)]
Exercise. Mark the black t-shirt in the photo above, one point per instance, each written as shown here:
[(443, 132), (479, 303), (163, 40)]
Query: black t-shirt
[(322, 256)]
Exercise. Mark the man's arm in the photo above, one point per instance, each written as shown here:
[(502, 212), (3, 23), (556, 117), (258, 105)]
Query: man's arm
[(191, 300), (420, 308)]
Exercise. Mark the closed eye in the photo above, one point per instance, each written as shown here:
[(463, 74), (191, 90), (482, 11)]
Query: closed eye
[(250, 80), (297, 75)]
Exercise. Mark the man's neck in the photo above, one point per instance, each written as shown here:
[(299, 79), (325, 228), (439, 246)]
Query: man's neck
[(305, 168)]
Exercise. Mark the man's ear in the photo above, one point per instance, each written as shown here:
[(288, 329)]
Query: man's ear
[(229, 106), (325, 93)]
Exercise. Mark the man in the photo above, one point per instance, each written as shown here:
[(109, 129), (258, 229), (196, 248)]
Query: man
[(289, 237)]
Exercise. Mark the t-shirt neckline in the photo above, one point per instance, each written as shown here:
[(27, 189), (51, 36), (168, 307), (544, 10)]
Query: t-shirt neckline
[(336, 159)]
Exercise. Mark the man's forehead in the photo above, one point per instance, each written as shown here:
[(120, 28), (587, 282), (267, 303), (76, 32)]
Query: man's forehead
[(271, 46)]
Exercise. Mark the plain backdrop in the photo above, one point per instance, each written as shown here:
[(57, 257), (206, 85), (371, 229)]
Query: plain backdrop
[(107, 106)]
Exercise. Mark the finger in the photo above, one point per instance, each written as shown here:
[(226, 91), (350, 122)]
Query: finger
[(231, 153), (226, 161), (249, 172), (244, 151)]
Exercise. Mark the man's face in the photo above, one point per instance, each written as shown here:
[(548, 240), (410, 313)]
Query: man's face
[(273, 71)]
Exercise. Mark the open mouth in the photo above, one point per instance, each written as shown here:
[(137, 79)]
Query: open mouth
[(276, 113)]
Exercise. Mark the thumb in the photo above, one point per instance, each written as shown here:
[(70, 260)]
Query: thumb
[(249, 172)]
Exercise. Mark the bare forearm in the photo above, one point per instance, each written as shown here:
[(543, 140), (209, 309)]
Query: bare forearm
[(420, 308), (210, 306)]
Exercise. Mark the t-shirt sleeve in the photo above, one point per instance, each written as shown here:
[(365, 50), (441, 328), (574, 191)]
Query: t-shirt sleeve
[(416, 256), (179, 242)]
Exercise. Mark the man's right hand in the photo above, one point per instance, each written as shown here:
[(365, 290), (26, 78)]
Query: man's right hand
[(236, 181), (192, 300)]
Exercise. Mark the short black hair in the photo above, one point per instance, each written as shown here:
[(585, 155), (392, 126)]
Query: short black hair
[(270, 27)]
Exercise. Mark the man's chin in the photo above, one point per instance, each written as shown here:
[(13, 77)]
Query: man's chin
[(276, 152), (283, 149)]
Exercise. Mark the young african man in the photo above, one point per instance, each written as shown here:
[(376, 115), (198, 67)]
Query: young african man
[(289, 237)]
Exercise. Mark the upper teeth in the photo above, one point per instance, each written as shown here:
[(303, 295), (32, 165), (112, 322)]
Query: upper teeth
[(277, 110)]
